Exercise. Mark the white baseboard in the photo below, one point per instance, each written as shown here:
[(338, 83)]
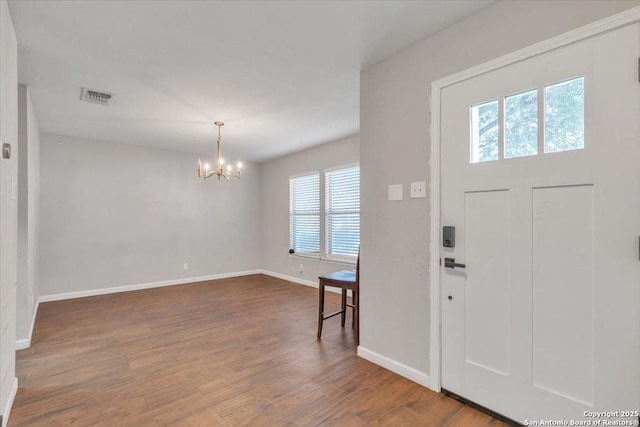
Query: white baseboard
[(26, 343), (297, 280), (23, 344), (127, 288), (290, 278), (395, 366), (9, 403)]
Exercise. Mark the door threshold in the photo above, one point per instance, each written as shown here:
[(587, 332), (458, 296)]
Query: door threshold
[(480, 408)]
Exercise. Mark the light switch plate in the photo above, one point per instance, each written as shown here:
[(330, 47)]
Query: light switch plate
[(395, 192), (418, 190)]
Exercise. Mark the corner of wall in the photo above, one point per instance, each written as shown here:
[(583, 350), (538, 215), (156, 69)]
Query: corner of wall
[(8, 208), (28, 214), (7, 409)]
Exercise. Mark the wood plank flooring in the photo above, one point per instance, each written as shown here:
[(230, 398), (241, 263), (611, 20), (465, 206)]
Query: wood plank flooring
[(230, 352)]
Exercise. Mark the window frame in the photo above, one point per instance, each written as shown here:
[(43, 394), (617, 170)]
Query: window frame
[(472, 133), (349, 259), (540, 88), (307, 254), (543, 89), (503, 122)]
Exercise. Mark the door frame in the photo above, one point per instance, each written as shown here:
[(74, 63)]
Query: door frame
[(610, 23)]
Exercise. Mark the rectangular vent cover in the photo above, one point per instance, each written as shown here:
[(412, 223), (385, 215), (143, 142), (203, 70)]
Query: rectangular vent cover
[(97, 97)]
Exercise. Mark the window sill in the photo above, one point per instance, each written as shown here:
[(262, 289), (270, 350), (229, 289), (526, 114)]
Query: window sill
[(327, 260), (314, 257)]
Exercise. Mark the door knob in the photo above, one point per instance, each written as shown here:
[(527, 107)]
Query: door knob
[(451, 263)]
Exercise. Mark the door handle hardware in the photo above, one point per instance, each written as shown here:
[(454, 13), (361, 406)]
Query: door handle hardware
[(449, 236), (6, 151), (451, 263)]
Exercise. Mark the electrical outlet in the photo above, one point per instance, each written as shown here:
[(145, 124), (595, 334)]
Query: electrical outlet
[(301, 268), (185, 266)]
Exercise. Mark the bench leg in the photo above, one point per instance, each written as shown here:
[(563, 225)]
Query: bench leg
[(320, 309)]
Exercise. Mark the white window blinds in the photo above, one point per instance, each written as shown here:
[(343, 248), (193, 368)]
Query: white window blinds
[(304, 214), (342, 211)]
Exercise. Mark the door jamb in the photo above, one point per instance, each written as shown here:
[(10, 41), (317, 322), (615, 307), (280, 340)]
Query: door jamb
[(610, 23)]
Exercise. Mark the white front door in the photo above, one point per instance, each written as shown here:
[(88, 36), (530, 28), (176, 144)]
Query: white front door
[(541, 180)]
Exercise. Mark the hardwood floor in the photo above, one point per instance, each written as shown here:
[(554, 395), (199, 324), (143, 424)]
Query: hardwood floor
[(230, 352)]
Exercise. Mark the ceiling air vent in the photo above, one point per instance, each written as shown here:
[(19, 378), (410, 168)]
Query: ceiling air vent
[(96, 97)]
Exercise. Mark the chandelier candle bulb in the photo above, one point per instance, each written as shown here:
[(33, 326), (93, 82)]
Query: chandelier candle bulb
[(219, 171)]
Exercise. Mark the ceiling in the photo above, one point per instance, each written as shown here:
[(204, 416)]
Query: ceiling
[(282, 75)]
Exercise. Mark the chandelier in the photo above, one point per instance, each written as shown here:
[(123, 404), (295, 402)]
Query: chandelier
[(221, 171)]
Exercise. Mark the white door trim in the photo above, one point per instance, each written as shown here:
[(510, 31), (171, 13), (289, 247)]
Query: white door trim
[(613, 22)]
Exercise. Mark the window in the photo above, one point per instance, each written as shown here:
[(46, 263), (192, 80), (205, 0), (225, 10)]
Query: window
[(521, 125), (304, 214), (564, 116), (484, 132), (339, 218), (562, 120), (342, 207)]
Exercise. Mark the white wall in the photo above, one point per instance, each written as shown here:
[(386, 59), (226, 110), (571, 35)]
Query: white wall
[(275, 202), (116, 215), (8, 208), (394, 133), (28, 214)]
